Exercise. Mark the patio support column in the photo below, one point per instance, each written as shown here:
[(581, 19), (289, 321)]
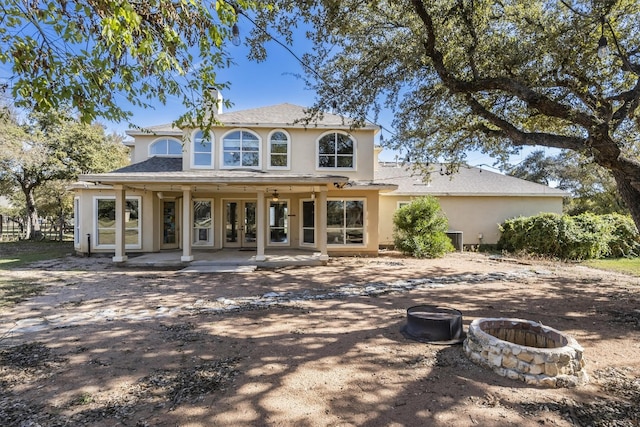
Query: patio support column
[(186, 224), (260, 224), (121, 204), (322, 224)]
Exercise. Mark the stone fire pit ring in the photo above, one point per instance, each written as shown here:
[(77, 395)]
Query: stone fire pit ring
[(527, 351)]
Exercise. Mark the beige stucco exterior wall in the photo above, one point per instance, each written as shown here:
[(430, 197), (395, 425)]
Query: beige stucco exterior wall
[(473, 215), (303, 150), (151, 218), (87, 205)]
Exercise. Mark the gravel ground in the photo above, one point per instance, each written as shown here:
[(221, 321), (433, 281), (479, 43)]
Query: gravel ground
[(309, 346)]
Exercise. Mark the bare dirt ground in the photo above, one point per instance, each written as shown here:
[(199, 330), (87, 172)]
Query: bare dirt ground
[(309, 346)]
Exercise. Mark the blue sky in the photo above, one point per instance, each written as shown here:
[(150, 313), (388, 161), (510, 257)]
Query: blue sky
[(252, 84), (257, 84)]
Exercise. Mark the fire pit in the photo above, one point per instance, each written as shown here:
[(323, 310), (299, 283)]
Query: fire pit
[(435, 325), (526, 351)]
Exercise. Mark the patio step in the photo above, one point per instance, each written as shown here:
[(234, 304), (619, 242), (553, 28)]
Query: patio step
[(207, 268)]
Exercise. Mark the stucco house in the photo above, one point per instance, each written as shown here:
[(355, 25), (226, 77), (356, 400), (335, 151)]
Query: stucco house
[(264, 180), (474, 200)]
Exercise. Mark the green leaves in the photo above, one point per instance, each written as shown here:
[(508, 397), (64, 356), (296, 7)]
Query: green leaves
[(585, 236), (90, 54), (420, 229)]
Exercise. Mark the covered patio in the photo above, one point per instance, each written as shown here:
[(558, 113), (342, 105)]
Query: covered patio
[(204, 260)]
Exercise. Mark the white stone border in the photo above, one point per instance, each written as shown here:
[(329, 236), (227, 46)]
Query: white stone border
[(549, 367)]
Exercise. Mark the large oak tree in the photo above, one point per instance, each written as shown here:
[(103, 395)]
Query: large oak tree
[(481, 75), (50, 148)]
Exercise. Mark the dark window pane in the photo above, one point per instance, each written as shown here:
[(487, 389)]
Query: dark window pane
[(335, 237), (354, 213), (308, 214), (345, 161), (279, 148), (327, 144), (326, 161), (279, 136), (250, 159), (344, 144), (279, 160), (308, 235), (335, 214)]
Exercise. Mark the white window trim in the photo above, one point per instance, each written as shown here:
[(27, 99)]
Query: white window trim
[(149, 155), (193, 146), (364, 222), (402, 203), (288, 166), (94, 240), (315, 224), (77, 238), (221, 150), (201, 243), (268, 239), (355, 152)]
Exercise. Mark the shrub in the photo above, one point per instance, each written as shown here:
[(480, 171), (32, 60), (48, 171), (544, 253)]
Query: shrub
[(585, 236), (420, 229), (625, 239)]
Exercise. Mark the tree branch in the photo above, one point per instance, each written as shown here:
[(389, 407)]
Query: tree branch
[(513, 87), (519, 137)]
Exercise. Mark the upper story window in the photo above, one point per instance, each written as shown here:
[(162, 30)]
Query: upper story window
[(202, 150), (279, 150), (241, 149), (336, 150), (166, 147)]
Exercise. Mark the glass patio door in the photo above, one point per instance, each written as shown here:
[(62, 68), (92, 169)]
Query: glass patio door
[(170, 236), (240, 224)]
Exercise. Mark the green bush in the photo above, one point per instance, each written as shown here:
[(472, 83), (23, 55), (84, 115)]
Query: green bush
[(420, 229), (584, 236), (625, 239)]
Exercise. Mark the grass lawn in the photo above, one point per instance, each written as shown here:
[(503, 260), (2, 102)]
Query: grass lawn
[(621, 265), (18, 254), (22, 252)]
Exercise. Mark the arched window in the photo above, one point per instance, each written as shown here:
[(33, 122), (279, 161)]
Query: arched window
[(336, 150), (202, 150), (166, 147), (279, 150), (241, 149)]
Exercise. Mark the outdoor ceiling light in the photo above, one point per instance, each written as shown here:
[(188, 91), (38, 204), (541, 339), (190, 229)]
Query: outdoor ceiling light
[(235, 32), (274, 196)]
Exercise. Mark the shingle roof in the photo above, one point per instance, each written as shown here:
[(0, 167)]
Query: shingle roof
[(469, 180), (154, 164), (280, 115)]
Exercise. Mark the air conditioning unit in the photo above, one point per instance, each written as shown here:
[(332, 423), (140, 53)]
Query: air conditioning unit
[(456, 239)]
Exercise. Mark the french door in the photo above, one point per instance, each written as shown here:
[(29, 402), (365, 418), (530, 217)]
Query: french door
[(170, 237), (240, 224)]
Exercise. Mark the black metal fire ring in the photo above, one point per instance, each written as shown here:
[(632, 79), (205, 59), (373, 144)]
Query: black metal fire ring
[(434, 325)]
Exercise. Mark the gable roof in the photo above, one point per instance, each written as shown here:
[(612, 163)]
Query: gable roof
[(468, 181), (280, 115), (154, 164)]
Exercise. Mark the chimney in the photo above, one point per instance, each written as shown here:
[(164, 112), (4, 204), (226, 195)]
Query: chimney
[(215, 100)]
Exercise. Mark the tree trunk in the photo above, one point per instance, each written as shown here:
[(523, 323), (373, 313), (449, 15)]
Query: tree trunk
[(33, 225), (61, 220), (630, 193)]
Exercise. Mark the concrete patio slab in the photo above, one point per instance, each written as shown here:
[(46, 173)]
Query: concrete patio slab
[(225, 257)]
